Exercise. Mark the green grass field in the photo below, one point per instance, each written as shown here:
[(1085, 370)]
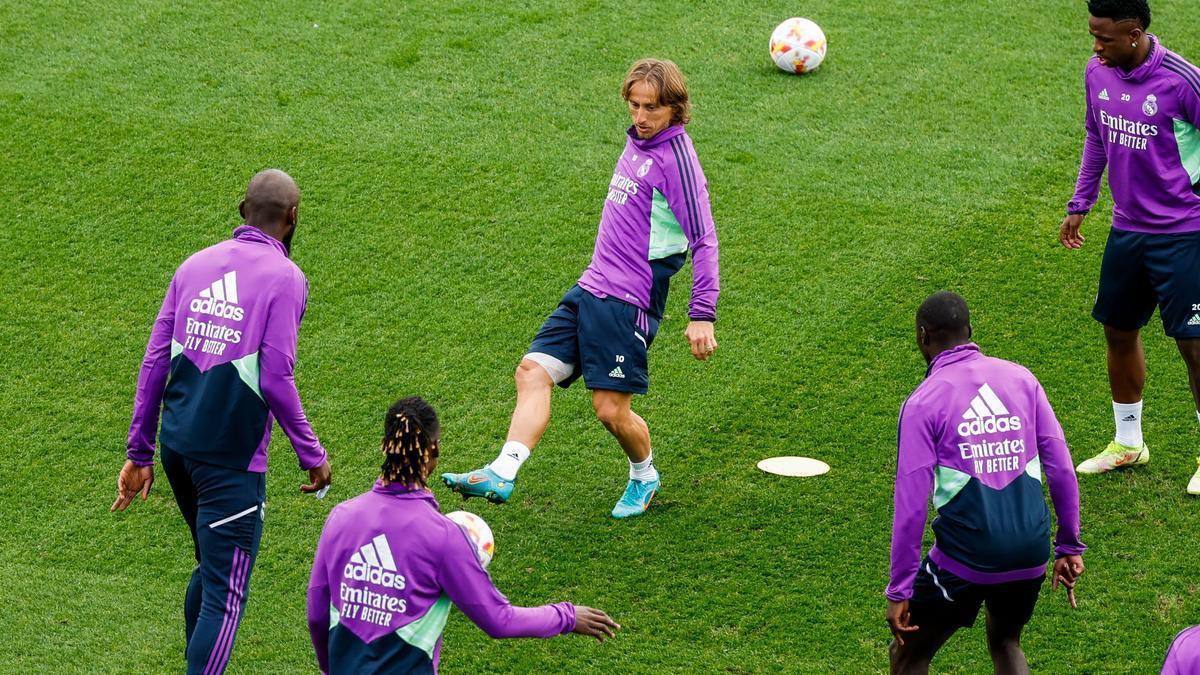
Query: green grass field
[(453, 159)]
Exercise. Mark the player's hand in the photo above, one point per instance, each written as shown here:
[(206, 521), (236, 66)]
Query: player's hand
[(594, 623), (897, 618), (1066, 572), (132, 480), (701, 336), (318, 477), (1068, 232)]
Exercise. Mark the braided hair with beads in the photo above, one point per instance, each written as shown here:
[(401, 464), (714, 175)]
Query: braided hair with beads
[(411, 432)]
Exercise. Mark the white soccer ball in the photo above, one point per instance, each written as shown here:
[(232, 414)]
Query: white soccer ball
[(480, 533), (798, 46)]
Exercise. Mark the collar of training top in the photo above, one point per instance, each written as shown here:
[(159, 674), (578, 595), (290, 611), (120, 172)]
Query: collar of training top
[(657, 139), (251, 233), (403, 491), (954, 355), (1147, 67)]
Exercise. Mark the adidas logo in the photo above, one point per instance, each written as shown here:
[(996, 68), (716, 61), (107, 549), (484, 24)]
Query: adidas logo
[(987, 415), (616, 372), (1129, 418), (374, 563), (1195, 320), (220, 299), (1103, 95)]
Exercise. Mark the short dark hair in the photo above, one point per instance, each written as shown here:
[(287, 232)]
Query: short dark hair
[(1120, 10), (411, 432), (944, 315)]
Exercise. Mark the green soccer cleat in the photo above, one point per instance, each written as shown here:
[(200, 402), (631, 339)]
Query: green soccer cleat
[(1115, 456), (480, 483), (1194, 483), (637, 498)]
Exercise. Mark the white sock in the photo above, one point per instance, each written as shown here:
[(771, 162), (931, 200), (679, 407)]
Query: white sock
[(644, 470), (1129, 423), (509, 461)]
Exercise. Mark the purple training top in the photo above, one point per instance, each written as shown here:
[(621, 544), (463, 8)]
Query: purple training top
[(657, 207), (977, 435), (226, 336), (388, 565), (1183, 658), (1143, 125)]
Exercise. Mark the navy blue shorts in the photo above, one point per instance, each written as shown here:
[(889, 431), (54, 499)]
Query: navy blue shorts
[(942, 599), (606, 339), (1141, 271)]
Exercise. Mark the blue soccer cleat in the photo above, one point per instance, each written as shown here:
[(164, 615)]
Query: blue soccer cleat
[(480, 483), (637, 498)]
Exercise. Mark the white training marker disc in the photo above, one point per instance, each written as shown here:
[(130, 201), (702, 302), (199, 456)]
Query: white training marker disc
[(794, 466)]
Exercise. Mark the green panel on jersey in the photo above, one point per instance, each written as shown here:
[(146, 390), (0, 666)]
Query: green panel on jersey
[(176, 349), (247, 368), (1187, 137), (425, 631), (666, 237), (1034, 468), (334, 617), (947, 483)]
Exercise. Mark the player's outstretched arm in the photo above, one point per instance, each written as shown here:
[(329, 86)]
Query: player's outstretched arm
[(594, 623), (470, 588)]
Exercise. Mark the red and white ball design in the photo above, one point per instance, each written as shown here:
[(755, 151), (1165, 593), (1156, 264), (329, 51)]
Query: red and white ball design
[(798, 46), (479, 532)]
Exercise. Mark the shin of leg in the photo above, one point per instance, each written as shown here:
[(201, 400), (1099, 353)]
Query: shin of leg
[(532, 412), (614, 412), (1126, 364), (1004, 644), (1190, 350)]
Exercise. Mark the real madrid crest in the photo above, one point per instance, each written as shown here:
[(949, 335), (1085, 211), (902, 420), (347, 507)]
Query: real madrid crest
[(645, 168), (1150, 106)]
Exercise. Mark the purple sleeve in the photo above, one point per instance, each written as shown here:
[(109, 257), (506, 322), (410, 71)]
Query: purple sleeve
[(277, 363), (686, 191), (1189, 100), (1060, 477), (471, 590), (1091, 167), (152, 380), (914, 483), (318, 606)]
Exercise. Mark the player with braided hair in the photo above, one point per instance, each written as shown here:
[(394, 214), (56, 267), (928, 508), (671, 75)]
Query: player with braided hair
[(389, 564)]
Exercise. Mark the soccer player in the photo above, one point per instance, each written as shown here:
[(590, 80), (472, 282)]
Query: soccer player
[(1183, 658), (1143, 109), (977, 436), (219, 363), (656, 209), (389, 564)]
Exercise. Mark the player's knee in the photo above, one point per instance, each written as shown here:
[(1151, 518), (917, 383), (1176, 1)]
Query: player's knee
[(611, 413), (531, 375), (1121, 340)]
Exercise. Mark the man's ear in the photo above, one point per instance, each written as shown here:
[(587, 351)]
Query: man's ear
[(970, 331), (293, 216), (242, 209), (923, 335)]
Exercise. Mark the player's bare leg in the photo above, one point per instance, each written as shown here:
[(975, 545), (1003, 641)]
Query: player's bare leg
[(1127, 379), (614, 411), (919, 648), (532, 412), (1190, 350), (1004, 644), (1126, 364), (530, 417)]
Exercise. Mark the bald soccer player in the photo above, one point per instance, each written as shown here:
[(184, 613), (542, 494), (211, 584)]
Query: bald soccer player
[(219, 364)]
